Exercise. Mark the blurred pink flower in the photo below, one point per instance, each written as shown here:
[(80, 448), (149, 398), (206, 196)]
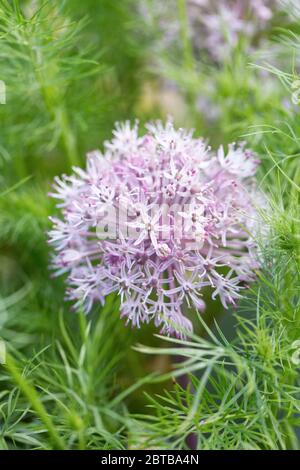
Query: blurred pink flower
[(215, 26)]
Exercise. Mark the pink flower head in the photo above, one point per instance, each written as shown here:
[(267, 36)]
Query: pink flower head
[(156, 219)]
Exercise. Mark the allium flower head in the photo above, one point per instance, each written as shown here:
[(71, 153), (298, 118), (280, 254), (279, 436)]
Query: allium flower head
[(157, 219)]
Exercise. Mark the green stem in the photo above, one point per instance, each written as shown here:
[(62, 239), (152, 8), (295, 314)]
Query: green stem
[(188, 57), (191, 89), (30, 392)]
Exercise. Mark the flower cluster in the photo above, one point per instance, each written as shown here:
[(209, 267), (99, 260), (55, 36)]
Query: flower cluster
[(215, 25), (157, 219), (221, 23)]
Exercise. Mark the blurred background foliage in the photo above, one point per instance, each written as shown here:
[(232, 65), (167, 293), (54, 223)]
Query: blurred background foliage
[(72, 69)]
